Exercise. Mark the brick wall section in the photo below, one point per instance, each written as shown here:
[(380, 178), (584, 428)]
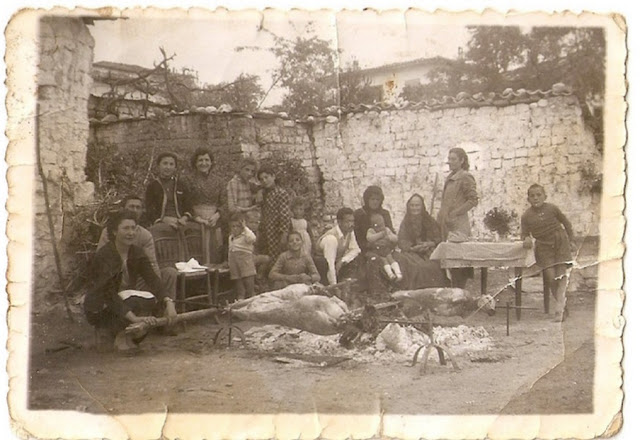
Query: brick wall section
[(64, 83), (404, 151)]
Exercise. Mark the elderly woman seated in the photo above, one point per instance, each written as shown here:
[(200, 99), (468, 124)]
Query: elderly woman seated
[(293, 266), (418, 235)]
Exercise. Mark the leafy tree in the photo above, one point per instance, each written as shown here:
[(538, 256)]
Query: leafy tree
[(305, 64), (500, 57), (308, 71), (180, 88), (448, 77), (492, 51), (355, 88), (507, 56), (243, 93), (540, 58)]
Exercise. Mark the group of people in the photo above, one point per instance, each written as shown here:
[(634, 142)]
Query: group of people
[(262, 231)]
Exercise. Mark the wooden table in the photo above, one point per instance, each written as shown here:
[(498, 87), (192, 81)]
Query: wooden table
[(484, 255)]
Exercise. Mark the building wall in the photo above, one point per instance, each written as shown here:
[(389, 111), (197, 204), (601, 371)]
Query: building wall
[(404, 151), (64, 82), (393, 82)]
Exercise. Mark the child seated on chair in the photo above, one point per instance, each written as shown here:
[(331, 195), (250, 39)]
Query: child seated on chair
[(381, 241), (241, 265), (553, 246)]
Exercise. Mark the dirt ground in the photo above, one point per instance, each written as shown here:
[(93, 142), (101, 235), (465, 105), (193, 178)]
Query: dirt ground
[(541, 368)]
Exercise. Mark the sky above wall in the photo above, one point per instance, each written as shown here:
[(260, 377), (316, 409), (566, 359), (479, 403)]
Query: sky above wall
[(207, 42)]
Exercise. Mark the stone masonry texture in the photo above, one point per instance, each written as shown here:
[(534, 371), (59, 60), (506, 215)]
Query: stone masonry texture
[(405, 151), (64, 83)]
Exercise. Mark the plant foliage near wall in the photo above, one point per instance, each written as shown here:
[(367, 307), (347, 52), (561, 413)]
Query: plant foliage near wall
[(116, 174), (500, 220)]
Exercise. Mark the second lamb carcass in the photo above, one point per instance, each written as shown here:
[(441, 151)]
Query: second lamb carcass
[(448, 301), (294, 306)]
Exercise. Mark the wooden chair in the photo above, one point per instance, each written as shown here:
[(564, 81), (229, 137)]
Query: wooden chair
[(199, 248), (195, 247), (171, 248), (167, 244)]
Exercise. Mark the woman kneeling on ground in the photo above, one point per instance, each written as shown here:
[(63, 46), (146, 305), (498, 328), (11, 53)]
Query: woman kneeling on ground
[(111, 302)]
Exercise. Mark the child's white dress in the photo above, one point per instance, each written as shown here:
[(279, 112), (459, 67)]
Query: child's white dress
[(300, 225)]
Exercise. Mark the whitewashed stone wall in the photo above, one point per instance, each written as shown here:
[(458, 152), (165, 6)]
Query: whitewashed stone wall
[(64, 82), (405, 151), (510, 148)]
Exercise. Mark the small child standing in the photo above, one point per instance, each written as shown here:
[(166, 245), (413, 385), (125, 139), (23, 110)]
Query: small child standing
[(299, 224), (241, 265), (381, 242), (554, 241), (261, 261)]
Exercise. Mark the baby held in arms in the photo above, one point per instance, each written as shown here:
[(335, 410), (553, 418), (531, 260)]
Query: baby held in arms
[(381, 242)]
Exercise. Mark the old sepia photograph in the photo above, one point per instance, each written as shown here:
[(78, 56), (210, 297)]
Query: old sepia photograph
[(305, 224)]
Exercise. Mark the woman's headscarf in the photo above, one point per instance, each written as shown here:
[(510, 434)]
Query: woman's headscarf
[(372, 191), (423, 225)]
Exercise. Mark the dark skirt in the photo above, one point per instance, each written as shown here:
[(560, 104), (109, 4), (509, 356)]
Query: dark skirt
[(419, 273), (109, 319)]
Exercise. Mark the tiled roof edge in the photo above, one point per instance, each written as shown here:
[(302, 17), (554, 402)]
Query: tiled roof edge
[(331, 114)]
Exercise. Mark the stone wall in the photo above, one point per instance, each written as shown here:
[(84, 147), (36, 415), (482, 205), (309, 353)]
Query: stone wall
[(404, 151), (64, 82), (224, 134), (509, 147)]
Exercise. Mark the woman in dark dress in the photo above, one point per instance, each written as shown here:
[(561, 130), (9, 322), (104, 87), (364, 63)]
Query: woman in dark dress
[(111, 301), (418, 236), (276, 218), (370, 266), (167, 198)]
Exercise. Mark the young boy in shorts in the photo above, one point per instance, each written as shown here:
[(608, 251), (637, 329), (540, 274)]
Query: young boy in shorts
[(241, 265), (554, 244)]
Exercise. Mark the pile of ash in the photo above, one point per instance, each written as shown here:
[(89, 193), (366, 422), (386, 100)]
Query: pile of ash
[(394, 344)]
